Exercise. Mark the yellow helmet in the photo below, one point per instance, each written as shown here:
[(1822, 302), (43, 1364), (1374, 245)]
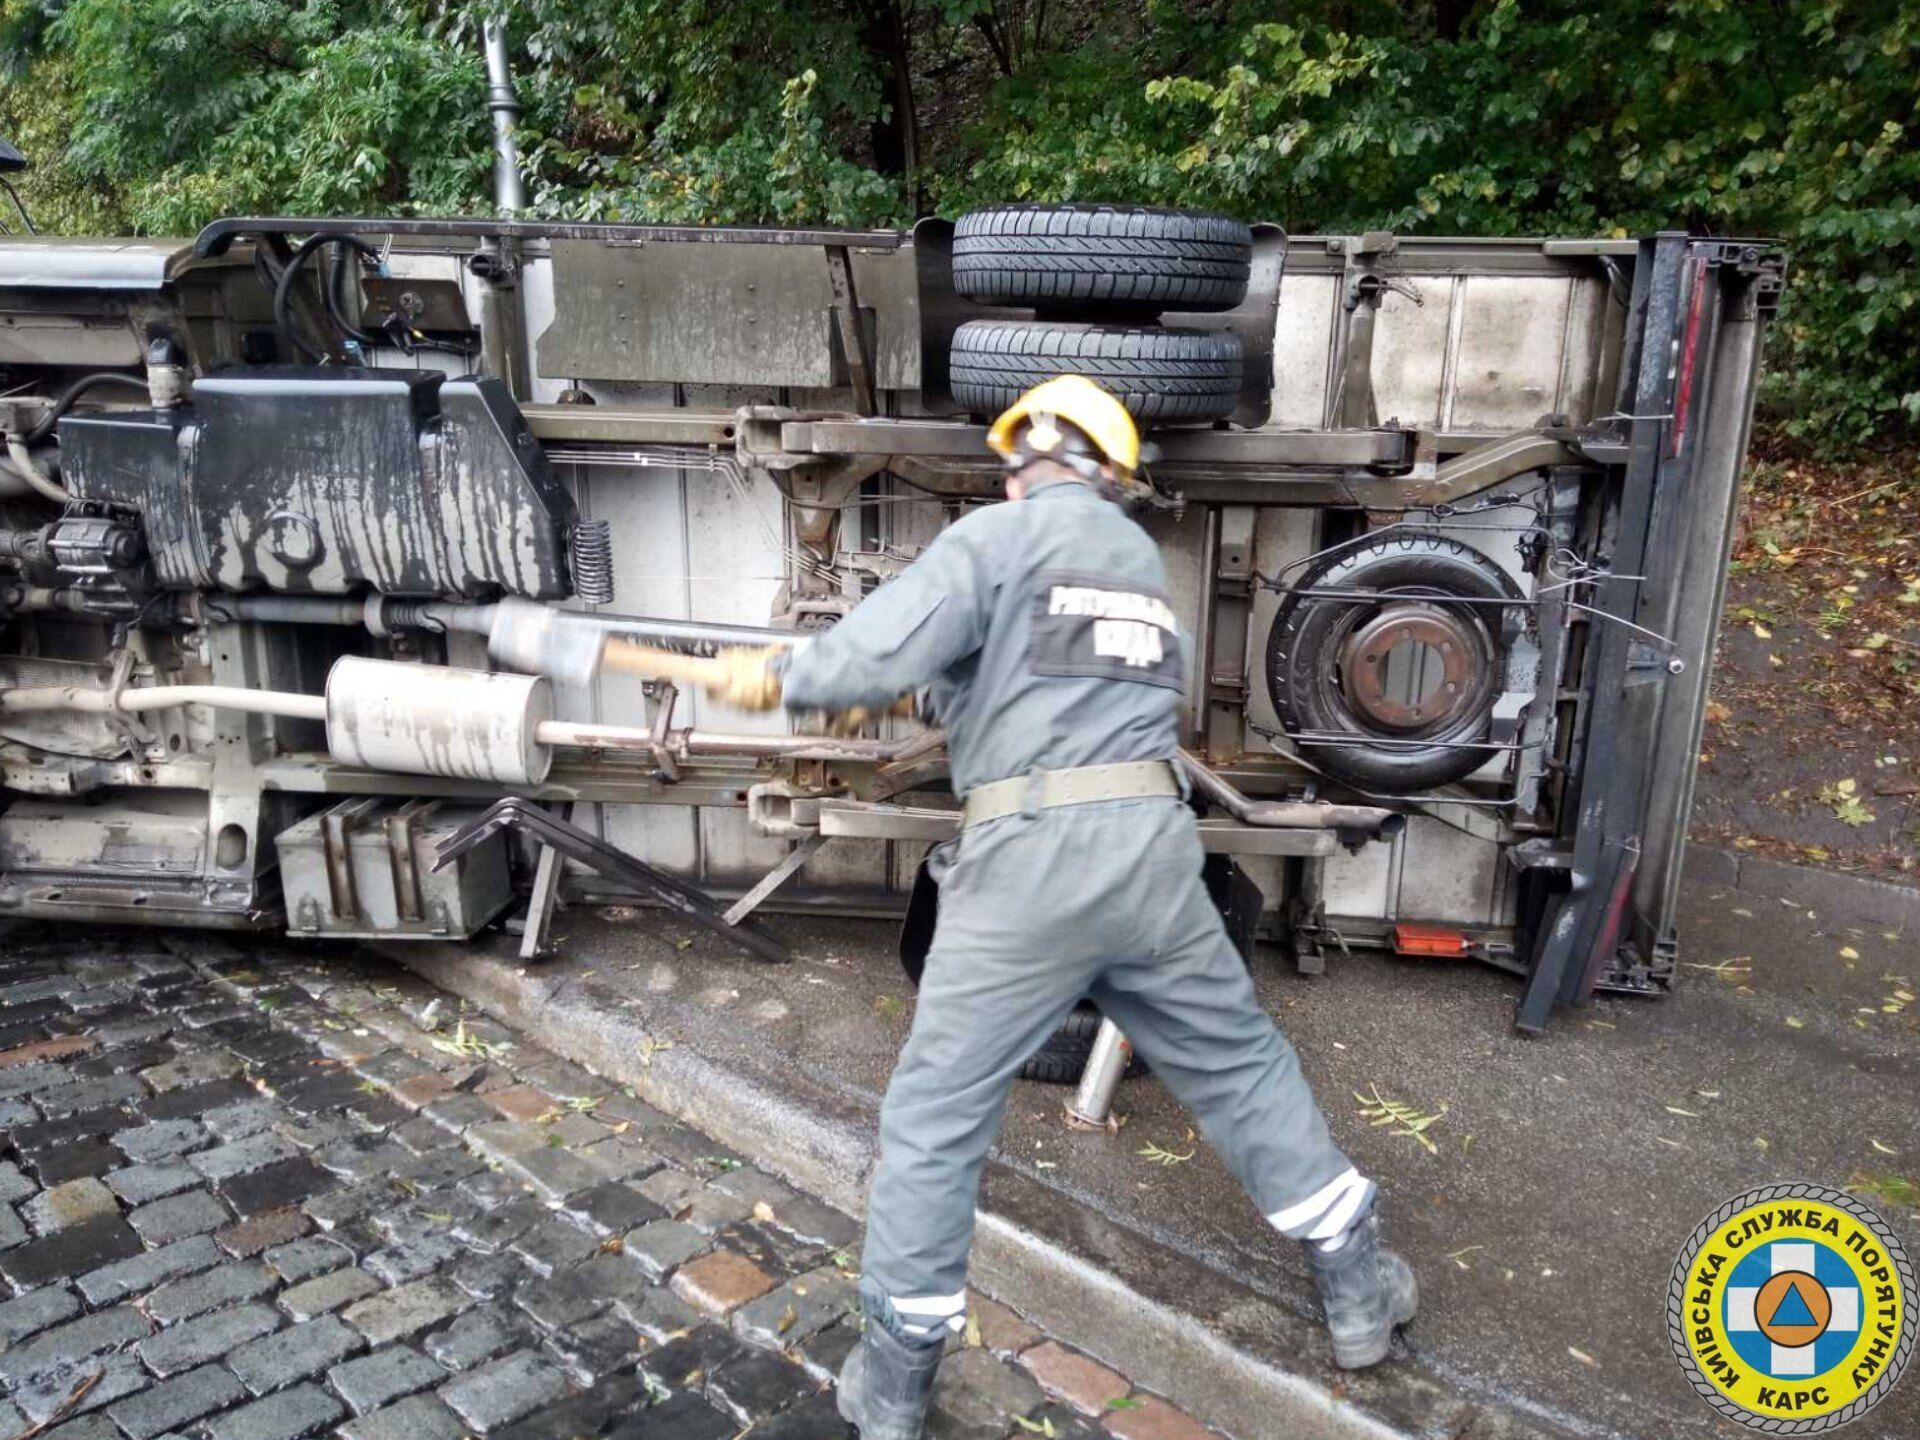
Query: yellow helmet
[(1086, 406)]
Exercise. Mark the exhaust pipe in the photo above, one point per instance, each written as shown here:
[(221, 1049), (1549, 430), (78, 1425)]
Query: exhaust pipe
[(509, 190), (1369, 822)]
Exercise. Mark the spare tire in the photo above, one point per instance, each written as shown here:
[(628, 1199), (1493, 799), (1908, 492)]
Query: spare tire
[(1158, 374), (1381, 721), (1135, 258)]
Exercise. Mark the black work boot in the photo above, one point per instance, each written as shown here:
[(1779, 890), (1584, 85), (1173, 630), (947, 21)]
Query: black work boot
[(1367, 1290), (886, 1384)]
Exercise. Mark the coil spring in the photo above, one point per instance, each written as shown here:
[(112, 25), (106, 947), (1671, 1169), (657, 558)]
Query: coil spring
[(590, 555)]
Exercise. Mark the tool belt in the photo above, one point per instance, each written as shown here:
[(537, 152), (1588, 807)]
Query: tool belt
[(1082, 785)]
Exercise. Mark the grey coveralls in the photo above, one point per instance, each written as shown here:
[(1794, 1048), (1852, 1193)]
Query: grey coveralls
[(1001, 618)]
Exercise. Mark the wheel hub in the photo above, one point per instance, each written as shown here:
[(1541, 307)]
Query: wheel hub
[(1411, 666)]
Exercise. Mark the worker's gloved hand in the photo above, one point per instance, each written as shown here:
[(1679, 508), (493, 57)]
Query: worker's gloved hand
[(744, 678), (856, 718)]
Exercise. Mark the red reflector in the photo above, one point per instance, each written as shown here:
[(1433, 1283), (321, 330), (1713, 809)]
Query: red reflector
[(1689, 354), (1428, 940)]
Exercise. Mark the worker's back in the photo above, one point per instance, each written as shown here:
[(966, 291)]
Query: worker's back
[(1082, 662)]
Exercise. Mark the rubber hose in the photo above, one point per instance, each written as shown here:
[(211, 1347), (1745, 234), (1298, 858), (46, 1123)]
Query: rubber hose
[(12, 482), (282, 299), (336, 297), (283, 292), (64, 401), (33, 474)]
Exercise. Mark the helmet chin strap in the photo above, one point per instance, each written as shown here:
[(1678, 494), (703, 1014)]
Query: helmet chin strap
[(1083, 470), (1045, 438)]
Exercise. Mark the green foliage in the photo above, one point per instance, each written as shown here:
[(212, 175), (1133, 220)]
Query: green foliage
[(38, 117), (1795, 118), (684, 111), (189, 109)]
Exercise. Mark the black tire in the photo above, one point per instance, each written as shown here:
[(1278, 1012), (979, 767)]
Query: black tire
[(1157, 374), (1061, 1061), (1305, 645), (1064, 1056), (1134, 258)]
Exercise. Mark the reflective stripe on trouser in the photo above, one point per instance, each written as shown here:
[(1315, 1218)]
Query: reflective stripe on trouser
[(1104, 901), (1325, 1216), (914, 1319), (924, 1314)]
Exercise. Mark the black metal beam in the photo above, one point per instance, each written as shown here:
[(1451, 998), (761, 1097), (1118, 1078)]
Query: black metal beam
[(218, 236), (1584, 920)]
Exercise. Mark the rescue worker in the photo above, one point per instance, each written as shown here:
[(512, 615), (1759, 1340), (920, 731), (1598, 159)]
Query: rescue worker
[(1042, 631)]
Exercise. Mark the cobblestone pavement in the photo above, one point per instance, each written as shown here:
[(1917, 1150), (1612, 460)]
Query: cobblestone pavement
[(259, 1195)]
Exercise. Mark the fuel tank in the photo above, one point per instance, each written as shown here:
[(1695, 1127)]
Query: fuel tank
[(333, 480)]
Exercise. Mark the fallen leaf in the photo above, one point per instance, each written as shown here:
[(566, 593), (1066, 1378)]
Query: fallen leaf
[(1893, 1190), (1843, 796), (1155, 1155), (1413, 1123)]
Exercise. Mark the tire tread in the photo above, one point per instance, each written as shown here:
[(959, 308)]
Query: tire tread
[(1157, 374), (1124, 255)]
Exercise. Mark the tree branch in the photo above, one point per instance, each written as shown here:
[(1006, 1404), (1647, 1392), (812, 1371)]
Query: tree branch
[(984, 23)]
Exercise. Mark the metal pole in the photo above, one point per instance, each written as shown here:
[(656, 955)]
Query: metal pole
[(1106, 1066), (509, 192), (503, 326)]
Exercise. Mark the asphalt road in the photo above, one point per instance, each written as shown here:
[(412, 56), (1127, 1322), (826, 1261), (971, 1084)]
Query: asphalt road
[(1569, 1167)]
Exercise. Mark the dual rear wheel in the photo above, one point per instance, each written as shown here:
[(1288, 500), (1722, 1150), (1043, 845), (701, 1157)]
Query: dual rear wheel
[(1097, 278)]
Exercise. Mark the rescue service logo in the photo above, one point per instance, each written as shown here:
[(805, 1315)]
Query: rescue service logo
[(1084, 626), (1793, 1309)]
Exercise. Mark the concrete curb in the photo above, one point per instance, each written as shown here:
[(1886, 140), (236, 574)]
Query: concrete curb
[(1227, 1355), (1829, 892)]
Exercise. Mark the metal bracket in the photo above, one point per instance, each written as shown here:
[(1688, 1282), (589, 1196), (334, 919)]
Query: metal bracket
[(336, 843), (135, 733), (665, 696), (774, 879), (851, 324), (783, 810), (407, 899), (540, 904), (669, 891), (1226, 654), (1763, 265)]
